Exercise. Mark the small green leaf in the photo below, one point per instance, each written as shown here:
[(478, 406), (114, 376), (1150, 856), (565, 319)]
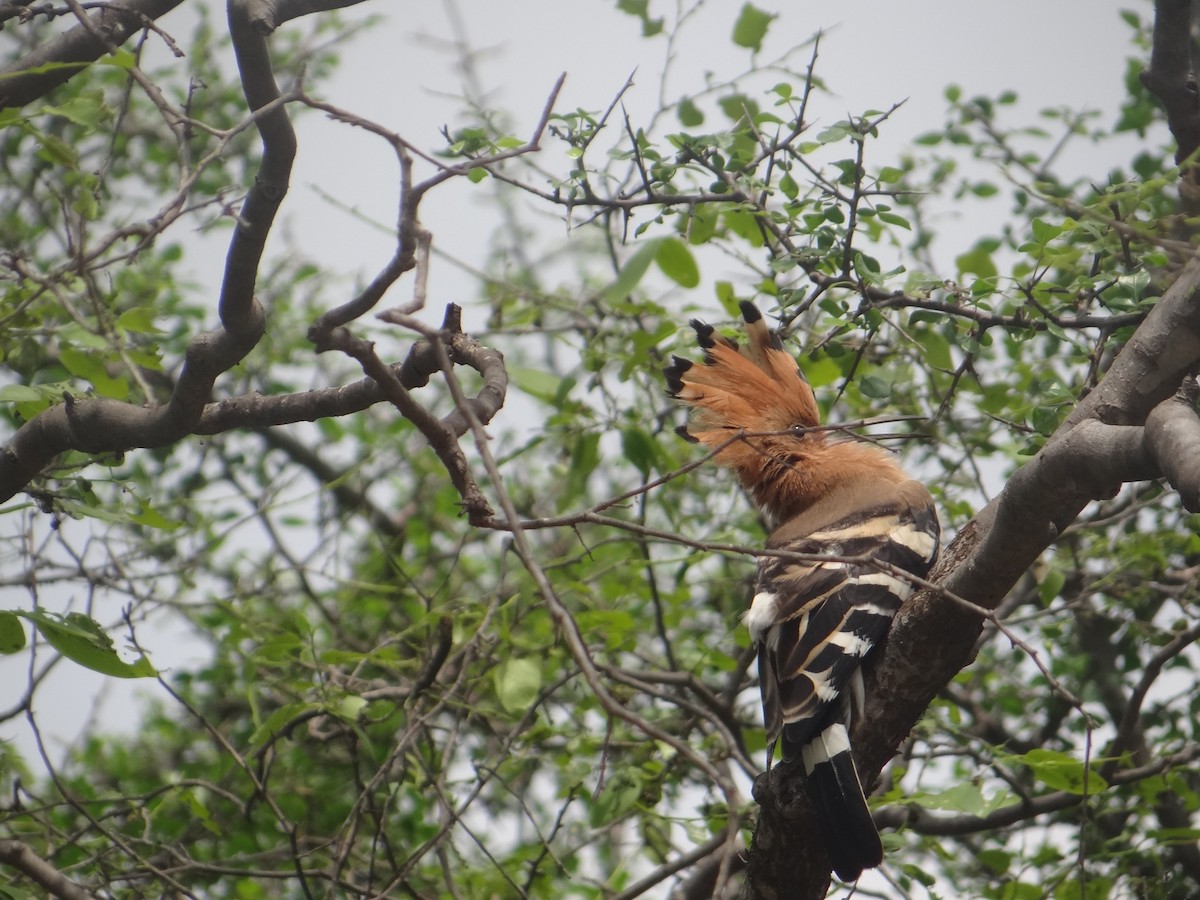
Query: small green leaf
[(57, 151), (751, 27), (1044, 419), (874, 387), (631, 273), (276, 721), (537, 384), (936, 348), (19, 393), (638, 447), (1062, 772), (139, 320), (82, 640), (87, 109), (788, 185), (893, 219), (965, 797), (677, 262), (518, 682), (1050, 586), (1044, 232), (689, 113), (120, 58), (152, 518), (12, 633), (977, 261), (585, 457), (349, 707)]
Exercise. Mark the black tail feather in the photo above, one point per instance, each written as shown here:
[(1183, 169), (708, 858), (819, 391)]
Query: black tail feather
[(850, 836)]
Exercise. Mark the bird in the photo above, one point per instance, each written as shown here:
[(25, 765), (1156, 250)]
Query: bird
[(846, 525)]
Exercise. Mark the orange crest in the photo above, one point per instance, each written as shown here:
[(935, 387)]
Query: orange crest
[(757, 388)]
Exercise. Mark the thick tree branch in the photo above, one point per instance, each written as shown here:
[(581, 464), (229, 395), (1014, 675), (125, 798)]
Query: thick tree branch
[(24, 80), (1086, 459), (1171, 79), (1172, 438), (24, 860), (934, 636), (267, 15)]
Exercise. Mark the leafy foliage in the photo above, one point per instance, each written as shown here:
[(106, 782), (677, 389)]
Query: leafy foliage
[(399, 700)]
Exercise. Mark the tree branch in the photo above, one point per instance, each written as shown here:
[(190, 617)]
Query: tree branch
[(1170, 78), (25, 80), (20, 857), (1172, 436), (924, 822), (933, 637)]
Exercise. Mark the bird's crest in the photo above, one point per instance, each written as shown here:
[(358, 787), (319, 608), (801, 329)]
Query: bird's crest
[(755, 388)]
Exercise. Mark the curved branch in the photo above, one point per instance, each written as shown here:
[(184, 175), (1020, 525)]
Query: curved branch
[(1172, 438), (28, 78), (267, 15)]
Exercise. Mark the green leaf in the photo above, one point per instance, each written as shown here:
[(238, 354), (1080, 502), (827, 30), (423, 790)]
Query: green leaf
[(677, 262), (276, 721), (965, 797), (639, 448), (139, 320), (1050, 585), (631, 273), (91, 367), (119, 58), (12, 633), (19, 393), (1044, 232), (57, 151), (152, 518), (585, 456), (81, 639), (935, 348), (518, 682), (536, 383), (788, 185), (1062, 772), (874, 387), (87, 109), (893, 219), (977, 261), (689, 113), (751, 27)]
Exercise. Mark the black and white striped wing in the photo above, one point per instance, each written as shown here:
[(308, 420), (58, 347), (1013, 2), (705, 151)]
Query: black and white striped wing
[(815, 620)]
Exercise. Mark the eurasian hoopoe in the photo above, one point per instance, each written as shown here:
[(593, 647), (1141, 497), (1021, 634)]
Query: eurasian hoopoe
[(860, 523)]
